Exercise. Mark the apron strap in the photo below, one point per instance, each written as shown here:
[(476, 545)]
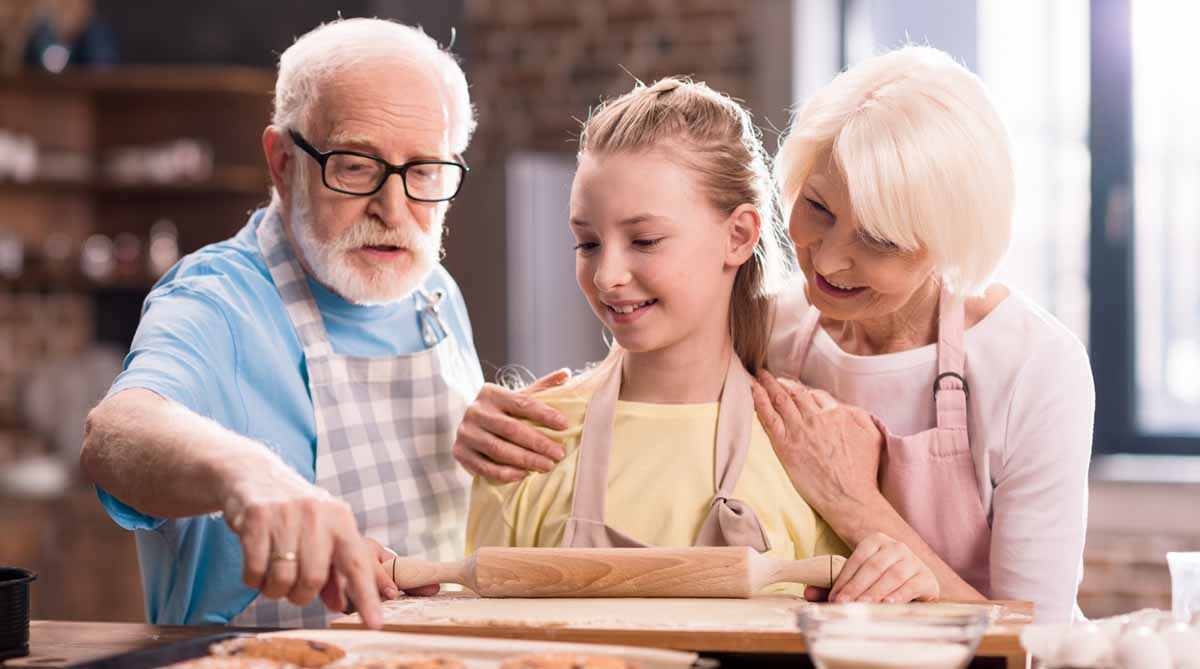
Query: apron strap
[(292, 283), (950, 387), (730, 521), (591, 469)]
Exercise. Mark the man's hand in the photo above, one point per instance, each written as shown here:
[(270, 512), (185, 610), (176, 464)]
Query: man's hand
[(492, 441), (298, 541)]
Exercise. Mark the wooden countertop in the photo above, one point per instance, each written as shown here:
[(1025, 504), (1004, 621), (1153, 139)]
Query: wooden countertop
[(55, 643)]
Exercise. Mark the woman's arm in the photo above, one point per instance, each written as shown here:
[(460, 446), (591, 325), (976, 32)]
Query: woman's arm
[(1039, 507), (833, 450)]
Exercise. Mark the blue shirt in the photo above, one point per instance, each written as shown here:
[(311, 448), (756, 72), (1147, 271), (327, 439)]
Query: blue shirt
[(215, 337)]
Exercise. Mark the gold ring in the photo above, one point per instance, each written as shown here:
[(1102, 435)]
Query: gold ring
[(289, 556)]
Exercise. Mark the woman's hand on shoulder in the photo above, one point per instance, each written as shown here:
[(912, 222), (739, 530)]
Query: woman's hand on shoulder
[(830, 450), (882, 569)]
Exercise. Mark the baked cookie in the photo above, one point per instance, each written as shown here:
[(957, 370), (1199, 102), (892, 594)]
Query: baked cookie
[(230, 662), (410, 662), (567, 661), (300, 652)]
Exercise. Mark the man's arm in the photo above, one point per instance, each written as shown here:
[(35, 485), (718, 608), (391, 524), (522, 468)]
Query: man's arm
[(166, 461)]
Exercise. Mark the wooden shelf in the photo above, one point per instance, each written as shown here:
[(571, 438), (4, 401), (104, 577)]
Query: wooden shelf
[(152, 79), (237, 180)]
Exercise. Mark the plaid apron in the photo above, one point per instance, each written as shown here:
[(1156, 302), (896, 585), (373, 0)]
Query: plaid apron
[(385, 429)]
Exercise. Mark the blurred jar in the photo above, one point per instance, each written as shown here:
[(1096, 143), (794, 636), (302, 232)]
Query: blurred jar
[(97, 260), (163, 251)]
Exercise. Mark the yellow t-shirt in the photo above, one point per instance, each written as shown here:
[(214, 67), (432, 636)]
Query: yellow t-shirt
[(660, 485)]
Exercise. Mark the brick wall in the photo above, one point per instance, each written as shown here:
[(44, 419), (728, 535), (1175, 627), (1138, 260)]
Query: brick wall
[(535, 67)]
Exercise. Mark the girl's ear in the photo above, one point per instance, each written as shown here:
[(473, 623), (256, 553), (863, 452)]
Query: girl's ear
[(744, 225)]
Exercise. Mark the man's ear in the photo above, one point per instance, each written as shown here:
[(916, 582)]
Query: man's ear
[(277, 148), (744, 227)]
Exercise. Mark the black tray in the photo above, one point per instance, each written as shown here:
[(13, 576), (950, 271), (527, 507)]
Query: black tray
[(150, 658)]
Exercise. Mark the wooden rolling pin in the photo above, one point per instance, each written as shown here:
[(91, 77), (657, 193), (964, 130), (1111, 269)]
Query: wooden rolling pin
[(737, 572)]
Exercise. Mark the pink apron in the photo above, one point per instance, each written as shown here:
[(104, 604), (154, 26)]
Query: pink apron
[(929, 477), (730, 522)]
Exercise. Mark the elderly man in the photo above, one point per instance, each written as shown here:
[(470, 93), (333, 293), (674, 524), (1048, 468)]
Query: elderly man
[(290, 401)]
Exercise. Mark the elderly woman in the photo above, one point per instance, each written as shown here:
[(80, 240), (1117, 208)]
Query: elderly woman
[(935, 413)]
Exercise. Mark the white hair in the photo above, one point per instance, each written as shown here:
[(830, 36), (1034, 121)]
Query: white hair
[(320, 54), (925, 156)]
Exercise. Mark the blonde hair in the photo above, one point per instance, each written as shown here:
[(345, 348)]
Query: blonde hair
[(925, 156), (714, 137)]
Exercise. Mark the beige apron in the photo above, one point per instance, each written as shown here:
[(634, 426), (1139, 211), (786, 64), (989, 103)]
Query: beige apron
[(730, 522)]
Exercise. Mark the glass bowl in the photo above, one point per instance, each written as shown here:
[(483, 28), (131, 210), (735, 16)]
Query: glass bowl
[(893, 636)]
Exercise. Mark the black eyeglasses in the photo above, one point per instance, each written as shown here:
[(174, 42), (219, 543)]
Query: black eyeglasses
[(355, 173)]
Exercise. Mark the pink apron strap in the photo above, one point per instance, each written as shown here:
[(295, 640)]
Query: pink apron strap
[(950, 387)]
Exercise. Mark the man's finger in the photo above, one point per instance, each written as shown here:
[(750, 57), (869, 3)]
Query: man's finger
[(424, 590), (354, 562), (383, 583), (551, 380), (333, 595), (314, 552), (256, 547), (499, 446), (488, 470), (284, 565), (521, 405)]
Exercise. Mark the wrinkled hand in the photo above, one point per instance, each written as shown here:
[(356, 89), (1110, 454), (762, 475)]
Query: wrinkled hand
[(830, 450), (881, 570), (494, 443), (298, 541)]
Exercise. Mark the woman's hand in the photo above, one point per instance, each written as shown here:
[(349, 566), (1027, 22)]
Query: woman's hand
[(493, 443), (830, 450), (882, 570)]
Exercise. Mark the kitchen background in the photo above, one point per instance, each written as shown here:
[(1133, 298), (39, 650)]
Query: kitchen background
[(129, 135)]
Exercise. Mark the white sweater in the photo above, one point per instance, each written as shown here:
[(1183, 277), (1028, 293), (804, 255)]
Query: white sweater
[(1030, 414)]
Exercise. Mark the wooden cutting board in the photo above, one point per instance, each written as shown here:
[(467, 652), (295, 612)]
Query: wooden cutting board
[(756, 625)]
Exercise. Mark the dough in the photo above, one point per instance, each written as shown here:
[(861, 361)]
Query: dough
[(760, 614), (567, 661)]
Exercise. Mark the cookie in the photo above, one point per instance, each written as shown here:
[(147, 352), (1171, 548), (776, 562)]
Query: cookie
[(411, 662), (567, 661), (300, 652), (229, 662)]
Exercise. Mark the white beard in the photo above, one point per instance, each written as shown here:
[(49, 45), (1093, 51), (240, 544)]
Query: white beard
[(332, 267)]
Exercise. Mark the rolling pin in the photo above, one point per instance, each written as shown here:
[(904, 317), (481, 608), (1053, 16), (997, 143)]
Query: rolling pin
[(734, 572)]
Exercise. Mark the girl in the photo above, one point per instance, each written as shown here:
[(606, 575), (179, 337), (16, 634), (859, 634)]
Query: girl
[(679, 251)]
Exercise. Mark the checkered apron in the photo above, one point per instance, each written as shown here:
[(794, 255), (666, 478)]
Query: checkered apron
[(385, 429)]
